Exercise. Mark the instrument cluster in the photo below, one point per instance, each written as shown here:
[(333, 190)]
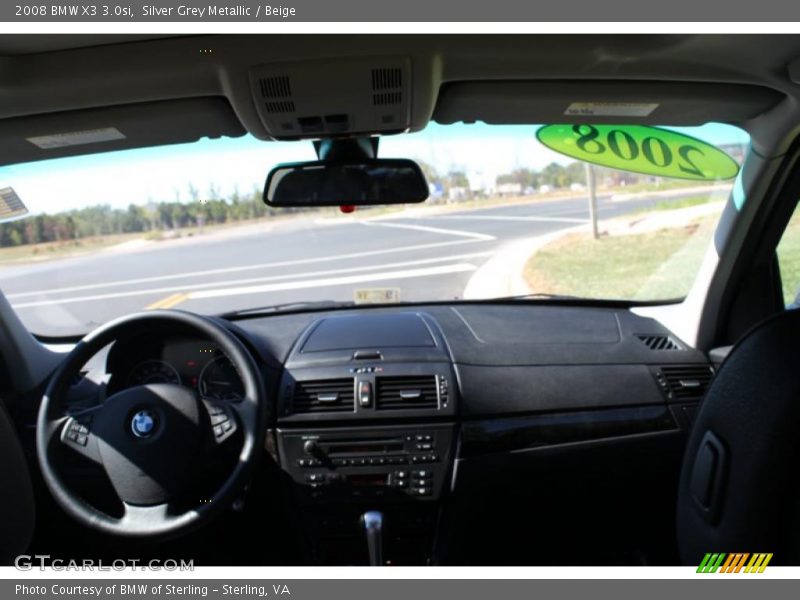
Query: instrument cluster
[(199, 365)]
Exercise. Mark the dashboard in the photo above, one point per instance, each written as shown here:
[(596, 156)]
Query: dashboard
[(445, 414)]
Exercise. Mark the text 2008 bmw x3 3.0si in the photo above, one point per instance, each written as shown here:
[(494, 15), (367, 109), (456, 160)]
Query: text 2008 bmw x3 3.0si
[(402, 300)]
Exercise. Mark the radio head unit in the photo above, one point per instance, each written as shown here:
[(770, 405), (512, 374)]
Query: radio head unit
[(394, 463)]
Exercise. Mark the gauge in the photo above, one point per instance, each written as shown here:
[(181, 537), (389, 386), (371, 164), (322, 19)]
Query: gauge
[(220, 380), (153, 371)]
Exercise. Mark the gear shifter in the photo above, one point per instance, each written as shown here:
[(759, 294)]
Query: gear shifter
[(372, 522)]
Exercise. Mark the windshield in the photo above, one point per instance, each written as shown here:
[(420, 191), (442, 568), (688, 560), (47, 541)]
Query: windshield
[(185, 227)]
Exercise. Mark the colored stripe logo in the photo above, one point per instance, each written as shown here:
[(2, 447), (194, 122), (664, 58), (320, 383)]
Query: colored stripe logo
[(737, 562)]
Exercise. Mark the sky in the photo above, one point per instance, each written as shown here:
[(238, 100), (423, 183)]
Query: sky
[(165, 173)]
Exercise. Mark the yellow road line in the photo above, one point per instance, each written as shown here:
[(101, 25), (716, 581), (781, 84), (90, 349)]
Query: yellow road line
[(169, 301)]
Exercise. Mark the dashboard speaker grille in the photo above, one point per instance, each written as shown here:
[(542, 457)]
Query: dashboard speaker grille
[(406, 392), (280, 106), (659, 342), (275, 87), (387, 86), (324, 395), (277, 94), (389, 78)]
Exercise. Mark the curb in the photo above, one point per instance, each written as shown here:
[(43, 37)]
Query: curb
[(503, 274)]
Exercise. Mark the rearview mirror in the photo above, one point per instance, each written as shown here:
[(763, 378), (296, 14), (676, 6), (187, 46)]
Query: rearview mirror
[(362, 182)]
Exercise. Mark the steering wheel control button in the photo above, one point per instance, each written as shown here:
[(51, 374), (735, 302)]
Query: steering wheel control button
[(221, 419), (77, 430)]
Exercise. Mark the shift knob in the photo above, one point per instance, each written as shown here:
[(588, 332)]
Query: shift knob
[(372, 522)]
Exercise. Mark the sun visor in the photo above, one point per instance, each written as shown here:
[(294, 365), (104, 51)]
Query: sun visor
[(655, 103), (89, 131)]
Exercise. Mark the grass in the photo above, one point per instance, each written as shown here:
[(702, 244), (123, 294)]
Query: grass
[(679, 203), (647, 266), (789, 259), (665, 184), (64, 249)]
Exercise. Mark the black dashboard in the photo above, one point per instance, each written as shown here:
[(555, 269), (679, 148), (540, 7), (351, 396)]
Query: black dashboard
[(431, 414)]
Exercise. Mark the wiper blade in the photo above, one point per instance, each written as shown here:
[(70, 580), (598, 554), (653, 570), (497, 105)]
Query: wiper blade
[(540, 296), (287, 307)]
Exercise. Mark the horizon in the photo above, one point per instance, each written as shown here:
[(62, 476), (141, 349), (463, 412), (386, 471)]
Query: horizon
[(59, 185)]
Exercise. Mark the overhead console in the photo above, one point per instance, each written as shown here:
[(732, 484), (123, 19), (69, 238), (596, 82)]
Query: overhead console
[(341, 96)]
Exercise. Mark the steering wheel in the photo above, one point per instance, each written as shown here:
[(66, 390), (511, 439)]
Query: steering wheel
[(147, 437)]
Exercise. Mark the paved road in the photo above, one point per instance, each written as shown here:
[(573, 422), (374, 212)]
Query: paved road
[(431, 257)]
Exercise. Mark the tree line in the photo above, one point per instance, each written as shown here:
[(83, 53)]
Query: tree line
[(211, 208), (103, 219)]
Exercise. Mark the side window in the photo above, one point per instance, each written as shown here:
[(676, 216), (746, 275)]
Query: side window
[(789, 261)]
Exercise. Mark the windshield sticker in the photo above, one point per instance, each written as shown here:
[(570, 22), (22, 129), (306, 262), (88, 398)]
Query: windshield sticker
[(390, 295), (610, 109), (11, 206), (77, 138), (641, 149)]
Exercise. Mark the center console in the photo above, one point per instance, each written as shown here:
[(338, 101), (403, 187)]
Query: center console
[(366, 435)]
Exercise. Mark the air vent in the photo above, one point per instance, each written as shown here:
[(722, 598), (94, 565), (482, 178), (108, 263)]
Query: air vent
[(323, 396), (684, 382), (387, 86), (660, 342), (406, 393)]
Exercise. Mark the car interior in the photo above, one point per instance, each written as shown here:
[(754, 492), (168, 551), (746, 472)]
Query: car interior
[(502, 431)]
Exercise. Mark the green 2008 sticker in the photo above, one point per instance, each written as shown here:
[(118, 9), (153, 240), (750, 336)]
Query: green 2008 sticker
[(641, 149)]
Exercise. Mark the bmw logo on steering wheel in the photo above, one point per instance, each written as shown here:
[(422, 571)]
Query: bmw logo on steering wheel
[(143, 423)]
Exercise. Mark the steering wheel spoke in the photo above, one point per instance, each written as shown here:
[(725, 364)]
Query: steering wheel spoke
[(138, 517)]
